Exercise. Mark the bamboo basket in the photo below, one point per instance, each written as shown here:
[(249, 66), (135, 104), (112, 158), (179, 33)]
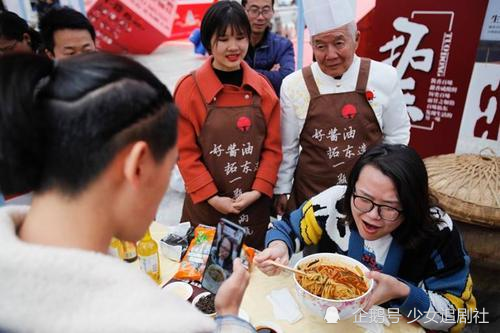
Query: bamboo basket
[(468, 189), (467, 186)]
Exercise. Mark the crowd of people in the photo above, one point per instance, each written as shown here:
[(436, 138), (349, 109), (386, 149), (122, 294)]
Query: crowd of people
[(325, 147), (63, 32)]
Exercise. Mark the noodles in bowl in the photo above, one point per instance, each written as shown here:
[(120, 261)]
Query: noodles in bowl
[(332, 280)]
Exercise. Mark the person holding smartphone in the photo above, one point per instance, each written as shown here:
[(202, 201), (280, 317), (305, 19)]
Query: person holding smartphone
[(226, 249), (229, 130), (94, 137)]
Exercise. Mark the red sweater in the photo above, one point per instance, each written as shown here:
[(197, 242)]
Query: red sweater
[(198, 180)]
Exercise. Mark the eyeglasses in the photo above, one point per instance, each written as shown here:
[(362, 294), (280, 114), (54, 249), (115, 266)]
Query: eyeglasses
[(365, 205), (8, 48), (256, 11)]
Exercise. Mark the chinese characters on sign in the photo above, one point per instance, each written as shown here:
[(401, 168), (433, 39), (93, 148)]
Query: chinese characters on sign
[(336, 155), (409, 57), (131, 26), (440, 100), (439, 92), (491, 25), (238, 163), (432, 45), (484, 128), (480, 126)]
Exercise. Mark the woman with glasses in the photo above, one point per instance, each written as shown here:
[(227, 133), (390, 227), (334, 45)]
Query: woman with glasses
[(16, 35), (229, 130), (386, 219)]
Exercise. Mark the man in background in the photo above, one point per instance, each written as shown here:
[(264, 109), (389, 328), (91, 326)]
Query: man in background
[(66, 32), (268, 53), (335, 109)]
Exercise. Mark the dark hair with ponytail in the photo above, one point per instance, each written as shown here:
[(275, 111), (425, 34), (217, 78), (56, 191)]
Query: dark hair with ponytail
[(61, 125), (407, 171), (13, 27)]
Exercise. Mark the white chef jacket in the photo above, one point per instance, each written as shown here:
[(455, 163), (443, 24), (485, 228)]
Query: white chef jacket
[(388, 105)]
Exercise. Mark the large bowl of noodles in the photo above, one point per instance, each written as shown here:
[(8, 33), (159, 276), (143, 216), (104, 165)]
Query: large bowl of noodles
[(332, 280)]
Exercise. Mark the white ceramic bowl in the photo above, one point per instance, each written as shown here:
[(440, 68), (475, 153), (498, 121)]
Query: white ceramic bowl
[(318, 305), (180, 289)]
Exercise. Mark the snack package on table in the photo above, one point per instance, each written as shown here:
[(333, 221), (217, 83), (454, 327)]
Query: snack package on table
[(247, 255), (174, 245), (193, 263)]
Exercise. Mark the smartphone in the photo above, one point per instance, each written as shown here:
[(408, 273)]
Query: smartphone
[(225, 248)]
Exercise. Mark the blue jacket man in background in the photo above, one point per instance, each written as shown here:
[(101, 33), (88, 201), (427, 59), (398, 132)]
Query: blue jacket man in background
[(269, 54)]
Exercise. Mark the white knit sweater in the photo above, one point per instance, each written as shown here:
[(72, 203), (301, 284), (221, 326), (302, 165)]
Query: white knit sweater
[(53, 289)]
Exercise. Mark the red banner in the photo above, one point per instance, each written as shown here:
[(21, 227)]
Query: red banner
[(131, 26), (188, 17), (433, 46), (140, 26)]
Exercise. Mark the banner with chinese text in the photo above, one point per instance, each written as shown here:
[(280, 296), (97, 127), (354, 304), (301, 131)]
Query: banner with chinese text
[(481, 119), (491, 26), (131, 26), (188, 17), (433, 45)]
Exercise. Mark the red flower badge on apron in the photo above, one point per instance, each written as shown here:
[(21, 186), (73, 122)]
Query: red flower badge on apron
[(369, 95), (231, 154), (244, 124), (338, 129), (349, 111)]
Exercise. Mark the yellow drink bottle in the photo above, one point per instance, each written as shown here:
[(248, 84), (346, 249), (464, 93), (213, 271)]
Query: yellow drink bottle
[(129, 251), (116, 248), (149, 260)]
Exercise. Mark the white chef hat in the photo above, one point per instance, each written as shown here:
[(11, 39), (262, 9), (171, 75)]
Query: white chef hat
[(325, 15)]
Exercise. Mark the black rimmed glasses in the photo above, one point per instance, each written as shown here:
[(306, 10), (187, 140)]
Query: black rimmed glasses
[(256, 11), (365, 205)]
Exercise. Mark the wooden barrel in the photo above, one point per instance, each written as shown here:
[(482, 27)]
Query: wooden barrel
[(468, 189)]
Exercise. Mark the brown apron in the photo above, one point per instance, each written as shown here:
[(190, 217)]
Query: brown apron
[(231, 141), (337, 130)]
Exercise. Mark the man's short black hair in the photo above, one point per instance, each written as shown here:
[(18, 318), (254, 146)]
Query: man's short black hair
[(59, 19), (244, 3), (13, 27)]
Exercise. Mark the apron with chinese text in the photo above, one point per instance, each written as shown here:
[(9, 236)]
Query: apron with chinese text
[(339, 127), (231, 141)]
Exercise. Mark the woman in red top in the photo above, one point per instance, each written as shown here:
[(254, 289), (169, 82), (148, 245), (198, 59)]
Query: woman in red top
[(229, 130)]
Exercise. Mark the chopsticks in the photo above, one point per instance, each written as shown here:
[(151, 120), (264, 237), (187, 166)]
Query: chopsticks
[(286, 268), (290, 269), (293, 270)]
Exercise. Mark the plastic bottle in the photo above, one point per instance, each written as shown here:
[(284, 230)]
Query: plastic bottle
[(116, 248), (129, 251), (149, 259)]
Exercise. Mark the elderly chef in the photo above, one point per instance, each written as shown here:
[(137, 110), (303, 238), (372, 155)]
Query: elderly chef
[(335, 109)]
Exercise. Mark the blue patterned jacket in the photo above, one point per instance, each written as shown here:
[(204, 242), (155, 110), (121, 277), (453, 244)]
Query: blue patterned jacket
[(437, 273)]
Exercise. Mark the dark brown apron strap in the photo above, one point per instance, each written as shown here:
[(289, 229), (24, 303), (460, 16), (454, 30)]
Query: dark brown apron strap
[(212, 102), (256, 100), (364, 70), (311, 85)]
